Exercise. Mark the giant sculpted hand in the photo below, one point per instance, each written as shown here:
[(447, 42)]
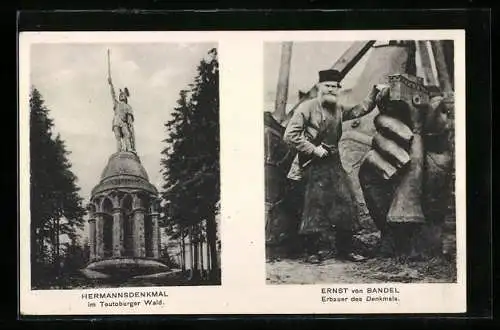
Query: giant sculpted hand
[(389, 160)]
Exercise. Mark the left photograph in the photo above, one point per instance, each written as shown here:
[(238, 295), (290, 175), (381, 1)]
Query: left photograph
[(123, 165)]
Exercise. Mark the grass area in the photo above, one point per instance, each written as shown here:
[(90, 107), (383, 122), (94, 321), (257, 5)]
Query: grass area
[(78, 281)]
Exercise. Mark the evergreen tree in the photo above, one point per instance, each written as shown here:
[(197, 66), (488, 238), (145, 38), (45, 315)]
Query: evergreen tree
[(191, 158), (56, 208)]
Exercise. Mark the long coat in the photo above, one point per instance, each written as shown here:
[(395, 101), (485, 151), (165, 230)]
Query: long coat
[(329, 196)]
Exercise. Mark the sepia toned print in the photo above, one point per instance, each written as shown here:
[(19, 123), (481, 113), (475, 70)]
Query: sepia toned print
[(360, 162), (124, 159)]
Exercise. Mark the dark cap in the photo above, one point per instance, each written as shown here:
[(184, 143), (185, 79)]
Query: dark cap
[(329, 75)]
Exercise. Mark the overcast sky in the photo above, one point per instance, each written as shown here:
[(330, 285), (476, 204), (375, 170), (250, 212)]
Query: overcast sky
[(307, 59), (72, 79)]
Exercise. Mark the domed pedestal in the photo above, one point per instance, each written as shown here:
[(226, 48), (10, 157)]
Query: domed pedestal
[(124, 171), (124, 237)]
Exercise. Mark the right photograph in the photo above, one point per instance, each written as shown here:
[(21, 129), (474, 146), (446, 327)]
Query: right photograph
[(360, 162)]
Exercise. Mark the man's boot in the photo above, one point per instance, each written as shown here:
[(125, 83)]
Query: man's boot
[(312, 248), (343, 242)]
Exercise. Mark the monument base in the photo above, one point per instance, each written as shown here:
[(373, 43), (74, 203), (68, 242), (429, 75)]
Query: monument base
[(124, 268)]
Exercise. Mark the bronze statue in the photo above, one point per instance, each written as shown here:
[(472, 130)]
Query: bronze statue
[(123, 119), (406, 180)]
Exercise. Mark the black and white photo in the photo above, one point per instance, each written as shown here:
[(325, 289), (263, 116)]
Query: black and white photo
[(124, 165), (359, 161), (143, 189)]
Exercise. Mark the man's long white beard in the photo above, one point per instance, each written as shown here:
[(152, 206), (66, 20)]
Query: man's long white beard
[(328, 100)]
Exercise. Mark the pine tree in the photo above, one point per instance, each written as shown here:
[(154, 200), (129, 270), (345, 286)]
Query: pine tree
[(191, 158), (56, 207), (206, 113)]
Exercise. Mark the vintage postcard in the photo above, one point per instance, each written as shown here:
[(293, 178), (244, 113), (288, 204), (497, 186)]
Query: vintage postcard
[(242, 172)]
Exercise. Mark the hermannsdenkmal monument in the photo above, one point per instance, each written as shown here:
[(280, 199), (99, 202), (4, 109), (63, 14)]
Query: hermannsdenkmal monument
[(124, 236)]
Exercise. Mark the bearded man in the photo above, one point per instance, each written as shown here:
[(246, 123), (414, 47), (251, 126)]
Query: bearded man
[(314, 131)]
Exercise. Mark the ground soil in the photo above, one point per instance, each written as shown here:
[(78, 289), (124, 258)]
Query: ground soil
[(284, 267), (376, 270)]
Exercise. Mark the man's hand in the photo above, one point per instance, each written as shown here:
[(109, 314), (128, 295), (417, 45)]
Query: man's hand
[(109, 80), (381, 96), (377, 95), (320, 152)]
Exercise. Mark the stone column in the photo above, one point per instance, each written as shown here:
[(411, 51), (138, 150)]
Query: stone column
[(118, 248), (99, 236), (159, 241), (155, 235), (139, 244), (92, 241)]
